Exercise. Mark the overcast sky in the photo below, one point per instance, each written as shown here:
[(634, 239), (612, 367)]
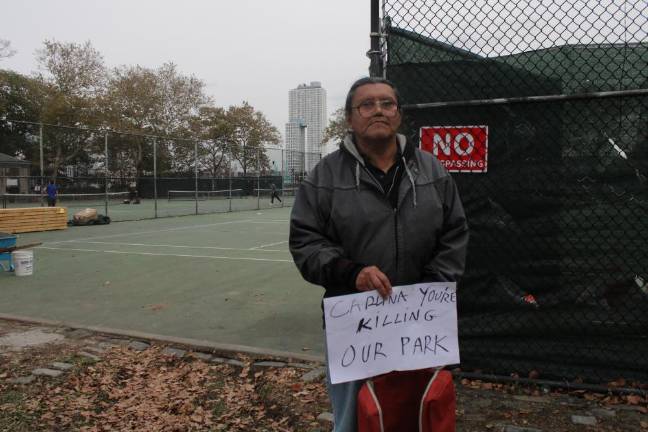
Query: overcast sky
[(252, 50)]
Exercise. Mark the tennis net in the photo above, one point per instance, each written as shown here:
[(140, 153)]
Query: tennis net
[(189, 195), (281, 192)]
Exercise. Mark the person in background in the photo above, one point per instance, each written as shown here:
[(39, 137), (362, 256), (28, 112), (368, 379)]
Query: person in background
[(376, 213), (273, 193), (52, 193), (133, 197)]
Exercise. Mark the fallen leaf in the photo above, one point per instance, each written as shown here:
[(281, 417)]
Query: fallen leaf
[(634, 399), (618, 383)]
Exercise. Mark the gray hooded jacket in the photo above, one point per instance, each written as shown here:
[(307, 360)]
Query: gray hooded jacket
[(342, 221)]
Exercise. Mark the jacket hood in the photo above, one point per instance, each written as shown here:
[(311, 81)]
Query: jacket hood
[(349, 145), (405, 152)]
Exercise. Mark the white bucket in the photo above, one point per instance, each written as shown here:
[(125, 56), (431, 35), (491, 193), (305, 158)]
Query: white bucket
[(23, 262)]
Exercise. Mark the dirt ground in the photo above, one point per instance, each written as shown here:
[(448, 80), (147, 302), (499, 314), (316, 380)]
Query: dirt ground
[(118, 387)]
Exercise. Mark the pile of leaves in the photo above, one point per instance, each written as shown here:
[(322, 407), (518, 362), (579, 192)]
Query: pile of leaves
[(604, 399), (130, 390), (538, 406), (151, 391)]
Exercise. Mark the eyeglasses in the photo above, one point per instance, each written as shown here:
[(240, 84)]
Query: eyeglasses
[(388, 107)]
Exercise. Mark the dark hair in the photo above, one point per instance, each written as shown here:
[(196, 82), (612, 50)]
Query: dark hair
[(364, 81)]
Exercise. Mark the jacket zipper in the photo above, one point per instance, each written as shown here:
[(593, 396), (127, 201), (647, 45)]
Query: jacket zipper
[(374, 179), (396, 240), (395, 211)]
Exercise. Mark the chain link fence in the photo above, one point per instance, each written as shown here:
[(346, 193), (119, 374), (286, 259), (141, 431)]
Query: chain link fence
[(129, 176), (539, 108)]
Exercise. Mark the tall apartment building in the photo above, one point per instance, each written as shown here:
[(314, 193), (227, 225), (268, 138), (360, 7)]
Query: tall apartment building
[(305, 127)]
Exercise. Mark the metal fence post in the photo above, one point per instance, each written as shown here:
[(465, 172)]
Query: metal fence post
[(230, 185), (374, 54), (155, 203), (281, 173), (258, 179), (106, 174), (196, 173), (42, 169)]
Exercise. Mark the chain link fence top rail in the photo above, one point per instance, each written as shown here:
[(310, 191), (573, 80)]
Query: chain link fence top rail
[(130, 176), (557, 273)]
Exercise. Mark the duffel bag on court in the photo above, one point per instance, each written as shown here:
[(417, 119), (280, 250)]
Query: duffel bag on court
[(409, 401), (84, 216), (99, 220)]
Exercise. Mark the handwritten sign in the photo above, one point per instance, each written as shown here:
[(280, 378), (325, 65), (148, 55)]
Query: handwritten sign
[(415, 328)]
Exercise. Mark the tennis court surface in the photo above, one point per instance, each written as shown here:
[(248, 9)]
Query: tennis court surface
[(225, 278)]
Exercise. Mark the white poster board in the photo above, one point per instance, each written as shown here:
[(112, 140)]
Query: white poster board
[(415, 328)]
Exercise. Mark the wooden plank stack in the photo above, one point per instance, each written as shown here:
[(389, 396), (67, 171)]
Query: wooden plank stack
[(30, 219)]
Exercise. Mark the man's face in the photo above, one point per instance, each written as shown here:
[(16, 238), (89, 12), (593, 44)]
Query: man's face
[(380, 124)]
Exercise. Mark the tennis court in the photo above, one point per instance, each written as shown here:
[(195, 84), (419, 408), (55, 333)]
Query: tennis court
[(225, 278), (120, 207)]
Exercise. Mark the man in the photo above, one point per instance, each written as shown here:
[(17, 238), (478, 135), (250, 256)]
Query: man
[(377, 212), (52, 193), (132, 194), (273, 193)]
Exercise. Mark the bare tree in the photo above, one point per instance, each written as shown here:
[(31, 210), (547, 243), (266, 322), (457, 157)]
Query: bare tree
[(5, 49), (213, 130), (156, 101), (337, 127), (74, 79), (251, 132), (72, 69)]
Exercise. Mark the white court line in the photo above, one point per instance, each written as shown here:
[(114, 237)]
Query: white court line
[(163, 254), (151, 232), (176, 246), (269, 244)]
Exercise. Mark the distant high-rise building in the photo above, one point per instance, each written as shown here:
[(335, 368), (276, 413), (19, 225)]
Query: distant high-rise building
[(295, 146), (305, 127)]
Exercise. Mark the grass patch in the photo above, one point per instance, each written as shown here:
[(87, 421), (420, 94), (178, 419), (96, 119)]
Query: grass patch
[(13, 415), (265, 392), (11, 397), (218, 408), (81, 361)]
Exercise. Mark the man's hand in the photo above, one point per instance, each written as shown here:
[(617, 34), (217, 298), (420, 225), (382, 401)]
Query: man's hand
[(371, 278)]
